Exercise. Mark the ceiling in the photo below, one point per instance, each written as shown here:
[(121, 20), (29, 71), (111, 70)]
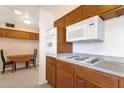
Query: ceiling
[(31, 12), (59, 10)]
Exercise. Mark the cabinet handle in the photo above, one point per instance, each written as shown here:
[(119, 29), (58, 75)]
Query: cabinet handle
[(80, 80)]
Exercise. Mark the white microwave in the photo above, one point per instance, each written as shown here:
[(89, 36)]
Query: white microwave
[(91, 29)]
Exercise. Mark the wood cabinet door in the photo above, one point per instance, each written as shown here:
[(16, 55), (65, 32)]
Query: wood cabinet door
[(74, 16), (64, 77), (90, 10), (121, 82), (78, 82), (50, 74), (61, 35), (97, 78), (62, 45), (51, 71), (81, 83), (23, 35), (34, 36), (10, 33), (105, 8), (2, 32), (60, 22)]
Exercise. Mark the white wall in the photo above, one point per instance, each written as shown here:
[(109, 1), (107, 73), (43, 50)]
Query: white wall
[(17, 46), (63, 10), (45, 23), (113, 44), (59, 10)]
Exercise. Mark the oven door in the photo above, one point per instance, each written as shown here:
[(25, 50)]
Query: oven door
[(51, 44)]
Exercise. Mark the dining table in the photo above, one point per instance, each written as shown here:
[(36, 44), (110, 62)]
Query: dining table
[(19, 59)]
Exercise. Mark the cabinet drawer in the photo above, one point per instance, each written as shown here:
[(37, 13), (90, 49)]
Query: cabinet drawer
[(98, 78), (65, 66), (51, 60), (81, 83)]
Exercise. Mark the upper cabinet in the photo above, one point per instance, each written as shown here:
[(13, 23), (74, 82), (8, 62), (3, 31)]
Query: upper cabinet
[(105, 11), (90, 10), (74, 16), (60, 22), (105, 8), (62, 45), (9, 33), (86, 11)]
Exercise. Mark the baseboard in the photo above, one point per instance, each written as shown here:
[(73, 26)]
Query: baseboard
[(19, 66), (41, 83)]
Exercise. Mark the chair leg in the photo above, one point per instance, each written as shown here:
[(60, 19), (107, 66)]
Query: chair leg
[(15, 67), (3, 70), (26, 64), (34, 63)]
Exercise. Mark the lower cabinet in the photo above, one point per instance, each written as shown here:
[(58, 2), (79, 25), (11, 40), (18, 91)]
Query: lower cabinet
[(64, 75), (81, 83), (51, 70), (89, 78)]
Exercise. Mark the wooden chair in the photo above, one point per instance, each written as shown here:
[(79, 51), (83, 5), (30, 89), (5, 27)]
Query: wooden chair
[(33, 59), (5, 63)]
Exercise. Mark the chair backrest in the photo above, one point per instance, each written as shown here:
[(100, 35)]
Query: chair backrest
[(2, 57), (35, 54)]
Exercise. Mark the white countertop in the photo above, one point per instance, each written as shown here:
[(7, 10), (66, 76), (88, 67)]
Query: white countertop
[(111, 67), (51, 55)]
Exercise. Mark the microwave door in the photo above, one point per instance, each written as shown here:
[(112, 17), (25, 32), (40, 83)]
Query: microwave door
[(91, 31)]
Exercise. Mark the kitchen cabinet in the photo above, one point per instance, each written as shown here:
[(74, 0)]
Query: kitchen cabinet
[(105, 8), (51, 70), (34, 36), (84, 12), (62, 45), (64, 74), (95, 78), (74, 16), (121, 10), (113, 13), (9, 33), (121, 82), (60, 22), (90, 10), (81, 83), (78, 14)]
